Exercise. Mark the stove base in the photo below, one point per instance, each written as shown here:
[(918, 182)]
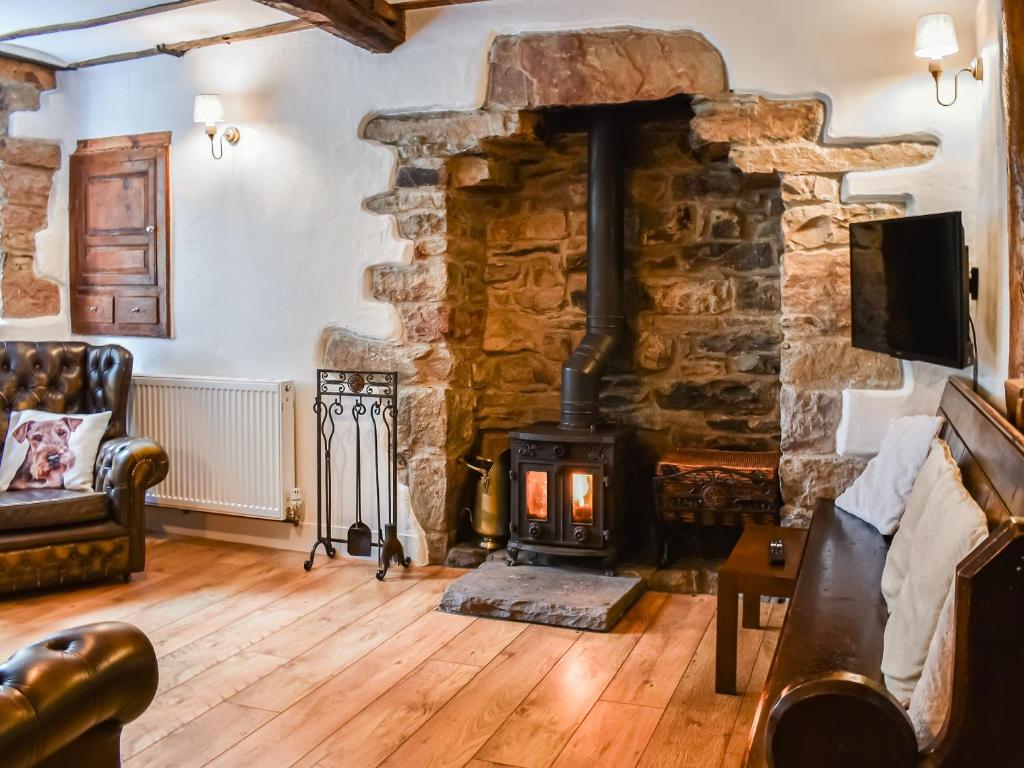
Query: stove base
[(610, 556)]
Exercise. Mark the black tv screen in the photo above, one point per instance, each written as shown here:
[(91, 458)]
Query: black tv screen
[(909, 284)]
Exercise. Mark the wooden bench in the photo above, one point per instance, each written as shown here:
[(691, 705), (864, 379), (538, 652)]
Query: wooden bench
[(824, 702)]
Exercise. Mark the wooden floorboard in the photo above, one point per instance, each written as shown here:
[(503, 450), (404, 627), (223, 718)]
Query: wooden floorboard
[(264, 664), (535, 733)]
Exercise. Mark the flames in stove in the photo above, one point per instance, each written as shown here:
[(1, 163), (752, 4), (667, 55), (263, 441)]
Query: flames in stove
[(582, 497)]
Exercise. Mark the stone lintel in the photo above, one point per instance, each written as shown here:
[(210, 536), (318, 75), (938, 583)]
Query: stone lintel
[(747, 119), (610, 66), (447, 133), (811, 157)]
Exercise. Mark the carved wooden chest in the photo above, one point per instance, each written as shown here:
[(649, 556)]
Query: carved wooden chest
[(706, 487)]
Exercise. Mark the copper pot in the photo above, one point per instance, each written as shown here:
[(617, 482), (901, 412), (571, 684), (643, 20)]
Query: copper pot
[(490, 502)]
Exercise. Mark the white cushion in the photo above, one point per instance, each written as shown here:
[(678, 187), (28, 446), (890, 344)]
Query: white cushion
[(930, 701), (950, 527), (51, 450), (879, 495), (898, 559)]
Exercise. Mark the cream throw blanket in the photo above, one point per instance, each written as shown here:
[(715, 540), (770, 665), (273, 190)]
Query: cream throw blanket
[(951, 525)]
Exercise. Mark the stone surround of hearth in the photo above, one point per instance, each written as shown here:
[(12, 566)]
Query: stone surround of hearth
[(453, 165), (700, 362)]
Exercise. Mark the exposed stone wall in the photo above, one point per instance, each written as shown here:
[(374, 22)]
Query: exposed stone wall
[(818, 360), (457, 171), (439, 297), (699, 364), (26, 176)]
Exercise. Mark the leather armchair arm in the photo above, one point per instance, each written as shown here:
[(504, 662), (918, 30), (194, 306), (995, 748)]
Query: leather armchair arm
[(64, 699), (839, 719), (125, 468)]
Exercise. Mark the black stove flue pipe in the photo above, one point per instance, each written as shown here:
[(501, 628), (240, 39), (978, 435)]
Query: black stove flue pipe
[(582, 372)]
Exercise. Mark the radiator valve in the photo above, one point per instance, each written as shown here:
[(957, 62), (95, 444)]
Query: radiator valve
[(293, 509)]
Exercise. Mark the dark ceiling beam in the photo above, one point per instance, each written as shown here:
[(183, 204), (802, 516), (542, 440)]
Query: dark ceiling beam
[(281, 28), (114, 18), (416, 5), (180, 49), (375, 25)]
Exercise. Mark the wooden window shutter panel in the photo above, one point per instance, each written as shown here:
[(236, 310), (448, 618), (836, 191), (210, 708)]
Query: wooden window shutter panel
[(120, 236)]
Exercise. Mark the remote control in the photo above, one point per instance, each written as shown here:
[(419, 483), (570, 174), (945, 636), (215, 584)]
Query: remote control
[(776, 552)]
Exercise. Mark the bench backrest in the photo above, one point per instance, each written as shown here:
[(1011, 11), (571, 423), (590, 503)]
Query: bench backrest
[(984, 718), (989, 450)]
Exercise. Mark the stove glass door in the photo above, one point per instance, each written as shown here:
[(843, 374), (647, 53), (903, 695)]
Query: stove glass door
[(537, 495)]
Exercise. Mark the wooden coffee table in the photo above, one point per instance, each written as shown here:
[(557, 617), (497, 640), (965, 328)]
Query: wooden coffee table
[(747, 571)]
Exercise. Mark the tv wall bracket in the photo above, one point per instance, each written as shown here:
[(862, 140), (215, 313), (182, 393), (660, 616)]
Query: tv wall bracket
[(972, 284)]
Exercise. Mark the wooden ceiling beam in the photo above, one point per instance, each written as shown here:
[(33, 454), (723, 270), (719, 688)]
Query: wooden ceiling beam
[(180, 49), (281, 28), (375, 25), (114, 18), (416, 5)]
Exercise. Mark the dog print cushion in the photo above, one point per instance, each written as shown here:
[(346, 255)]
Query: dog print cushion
[(51, 450)]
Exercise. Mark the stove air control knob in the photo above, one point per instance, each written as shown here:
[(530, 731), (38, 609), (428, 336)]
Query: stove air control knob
[(579, 534), (536, 530)]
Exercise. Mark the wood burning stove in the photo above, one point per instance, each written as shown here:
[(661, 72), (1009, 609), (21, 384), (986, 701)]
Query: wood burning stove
[(569, 479), (569, 491)]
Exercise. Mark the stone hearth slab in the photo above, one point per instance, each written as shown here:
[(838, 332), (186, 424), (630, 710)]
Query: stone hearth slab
[(559, 596)]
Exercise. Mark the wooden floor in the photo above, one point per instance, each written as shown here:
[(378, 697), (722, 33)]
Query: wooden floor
[(263, 664)]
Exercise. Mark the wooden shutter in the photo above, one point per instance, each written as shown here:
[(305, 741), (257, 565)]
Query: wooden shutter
[(120, 236)]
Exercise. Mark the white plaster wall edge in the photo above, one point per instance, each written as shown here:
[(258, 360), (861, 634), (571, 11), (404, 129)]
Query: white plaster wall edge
[(867, 413)]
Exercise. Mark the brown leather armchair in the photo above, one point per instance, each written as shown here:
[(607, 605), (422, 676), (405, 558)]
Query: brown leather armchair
[(64, 700), (50, 537)]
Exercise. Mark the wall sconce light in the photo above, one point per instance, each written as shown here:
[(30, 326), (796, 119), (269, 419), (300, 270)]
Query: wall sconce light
[(935, 39), (210, 111)]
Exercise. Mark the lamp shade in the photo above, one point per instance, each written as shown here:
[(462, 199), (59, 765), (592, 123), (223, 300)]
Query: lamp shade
[(936, 37), (208, 109)]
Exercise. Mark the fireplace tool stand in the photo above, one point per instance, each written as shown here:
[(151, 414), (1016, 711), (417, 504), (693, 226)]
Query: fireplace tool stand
[(370, 400)]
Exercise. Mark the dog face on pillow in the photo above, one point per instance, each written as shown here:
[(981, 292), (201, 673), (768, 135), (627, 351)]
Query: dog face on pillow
[(49, 455)]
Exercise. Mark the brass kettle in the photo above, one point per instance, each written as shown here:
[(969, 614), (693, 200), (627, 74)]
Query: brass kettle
[(490, 503)]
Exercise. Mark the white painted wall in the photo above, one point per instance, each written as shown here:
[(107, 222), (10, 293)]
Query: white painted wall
[(866, 413), (270, 245), (991, 209)]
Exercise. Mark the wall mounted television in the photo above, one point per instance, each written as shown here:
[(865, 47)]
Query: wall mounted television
[(910, 288)]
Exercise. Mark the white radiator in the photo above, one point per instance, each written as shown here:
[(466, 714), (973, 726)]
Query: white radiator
[(231, 442)]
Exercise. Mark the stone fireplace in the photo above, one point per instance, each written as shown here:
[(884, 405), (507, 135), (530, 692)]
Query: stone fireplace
[(736, 296), (698, 361)]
